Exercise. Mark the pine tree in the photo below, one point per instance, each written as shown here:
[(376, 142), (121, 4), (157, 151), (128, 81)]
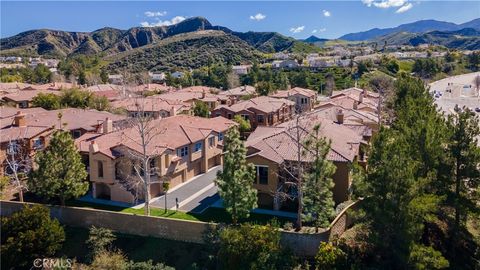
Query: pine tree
[(318, 203), (465, 160), (60, 172), (236, 179)]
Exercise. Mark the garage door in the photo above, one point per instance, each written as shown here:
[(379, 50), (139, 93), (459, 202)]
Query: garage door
[(197, 169)]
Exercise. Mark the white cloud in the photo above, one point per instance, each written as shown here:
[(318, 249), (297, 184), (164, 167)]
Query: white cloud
[(297, 29), (404, 8), (258, 17), (155, 13), (400, 5), (326, 13), (319, 30), (174, 20)]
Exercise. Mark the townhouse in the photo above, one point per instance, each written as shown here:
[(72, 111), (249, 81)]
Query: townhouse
[(239, 93), (260, 111), (183, 146), (23, 98), (355, 98), (273, 151), (304, 99), (152, 106)]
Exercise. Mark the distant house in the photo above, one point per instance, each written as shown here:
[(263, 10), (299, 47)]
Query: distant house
[(177, 74), (157, 76), (115, 79), (241, 70), (238, 93), (289, 63), (260, 111), (23, 98), (153, 106), (304, 99)]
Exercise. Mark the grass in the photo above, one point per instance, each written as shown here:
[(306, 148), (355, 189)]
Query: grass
[(137, 248), (216, 215)]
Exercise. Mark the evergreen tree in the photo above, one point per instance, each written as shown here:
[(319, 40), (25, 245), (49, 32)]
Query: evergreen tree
[(465, 161), (318, 204), (236, 179), (201, 109), (60, 172), (47, 101)]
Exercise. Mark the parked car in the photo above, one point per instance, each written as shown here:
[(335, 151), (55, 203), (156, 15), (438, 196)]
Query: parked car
[(477, 109)]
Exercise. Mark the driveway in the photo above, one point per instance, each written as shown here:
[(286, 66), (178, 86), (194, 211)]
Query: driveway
[(195, 195)]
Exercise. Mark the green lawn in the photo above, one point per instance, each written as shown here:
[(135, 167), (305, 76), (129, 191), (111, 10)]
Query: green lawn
[(137, 248), (216, 215)]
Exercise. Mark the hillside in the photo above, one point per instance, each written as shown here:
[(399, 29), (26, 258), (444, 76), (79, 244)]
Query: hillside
[(189, 50), (465, 39), (414, 27)]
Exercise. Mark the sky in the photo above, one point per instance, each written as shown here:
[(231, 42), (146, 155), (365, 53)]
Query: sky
[(298, 19)]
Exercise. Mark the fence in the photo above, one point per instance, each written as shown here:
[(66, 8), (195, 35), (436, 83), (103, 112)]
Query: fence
[(303, 244)]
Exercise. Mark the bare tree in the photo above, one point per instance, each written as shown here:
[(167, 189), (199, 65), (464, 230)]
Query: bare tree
[(18, 164), (141, 156), (477, 84)]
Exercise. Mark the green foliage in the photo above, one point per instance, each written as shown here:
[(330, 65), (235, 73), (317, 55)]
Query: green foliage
[(201, 109), (99, 103), (330, 257), (60, 172), (29, 234), (4, 180), (244, 125), (85, 68), (235, 180), (317, 184), (474, 61), (109, 260), (252, 247), (214, 75), (100, 240), (40, 74), (426, 68), (75, 98), (426, 258), (47, 101)]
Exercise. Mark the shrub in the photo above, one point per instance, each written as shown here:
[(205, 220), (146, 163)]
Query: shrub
[(330, 257), (29, 234)]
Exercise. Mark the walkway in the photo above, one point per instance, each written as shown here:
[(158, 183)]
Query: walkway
[(194, 194)]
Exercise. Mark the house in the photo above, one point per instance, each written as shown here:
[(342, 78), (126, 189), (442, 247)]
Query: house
[(115, 79), (17, 136), (273, 151), (241, 69), (289, 63), (153, 106), (304, 99), (23, 98), (260, 111), (198, 93), (77, 121), (186, 146), (357, 99), (109, 91), (143, 89), (177, 74), (157, 76), (239, 93)]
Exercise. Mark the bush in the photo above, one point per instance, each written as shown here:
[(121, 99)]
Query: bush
[(244, 125), (29, 234), (109, 261), (423, 258), (253, 247), (99, 240), (47, 101), (330, 257)]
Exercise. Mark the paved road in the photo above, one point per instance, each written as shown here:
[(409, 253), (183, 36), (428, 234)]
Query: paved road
[(197, 193)]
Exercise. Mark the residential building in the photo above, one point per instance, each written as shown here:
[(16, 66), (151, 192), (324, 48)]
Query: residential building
[(157, 76), (115, 79), (260, 111), (153, 106), (184, 146), (239, 93), (289, 63), (241, 69), (355, 98), (273, 151), (23, 98), (177, 74), (304, 99)]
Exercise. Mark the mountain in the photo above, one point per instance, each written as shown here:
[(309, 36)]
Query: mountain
[(193, 50), (415, 27), (464, 39), (314, 39), (108, 41)]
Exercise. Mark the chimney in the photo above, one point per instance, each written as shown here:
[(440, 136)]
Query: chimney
[(19, 120), (93, 148), (204, 94), (360, 97), (340, 116), (355, 104), (107, 126), (173, 111)]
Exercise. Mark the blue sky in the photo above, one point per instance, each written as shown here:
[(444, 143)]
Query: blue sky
[(329, 19)]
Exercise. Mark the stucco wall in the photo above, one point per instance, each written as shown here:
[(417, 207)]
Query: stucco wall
[(302, 244)]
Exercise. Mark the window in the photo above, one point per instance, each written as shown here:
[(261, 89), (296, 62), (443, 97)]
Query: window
[(260, 118), (229, 115), (182, 152), (100, 168), (262, 175), (37, 144), (153, 166), (217, 114), (220, 136), (77, 134), (211, 141), (246, 117), (198, 146)]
